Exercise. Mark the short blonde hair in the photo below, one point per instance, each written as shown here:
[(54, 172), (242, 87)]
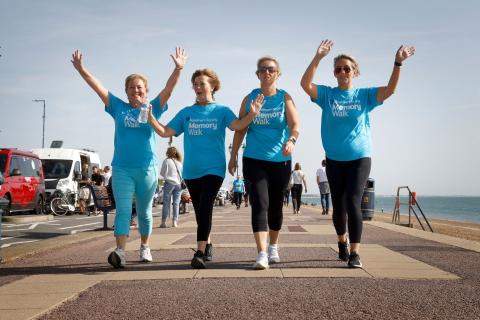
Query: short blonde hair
[(214, 80), (354, 62), (172, 152), (136, 76), (269, 58)]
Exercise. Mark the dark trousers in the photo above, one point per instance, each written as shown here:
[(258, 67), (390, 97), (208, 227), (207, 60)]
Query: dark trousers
[(296, 191), (203, 192)]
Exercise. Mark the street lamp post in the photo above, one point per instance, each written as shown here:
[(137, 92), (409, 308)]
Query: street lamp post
[(43, 130)]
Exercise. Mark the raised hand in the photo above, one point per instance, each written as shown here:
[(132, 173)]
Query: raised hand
[(404, 52), (257, 104), (324, 48), (77, 60), (180, 58)]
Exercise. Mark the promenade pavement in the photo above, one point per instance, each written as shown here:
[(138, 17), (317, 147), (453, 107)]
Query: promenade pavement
[(407, 274)]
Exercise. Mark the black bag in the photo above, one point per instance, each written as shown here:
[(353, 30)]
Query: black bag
[(183, 185)]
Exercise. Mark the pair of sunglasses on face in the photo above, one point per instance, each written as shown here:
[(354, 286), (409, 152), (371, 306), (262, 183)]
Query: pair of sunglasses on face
[(265, 69), (345, 69)]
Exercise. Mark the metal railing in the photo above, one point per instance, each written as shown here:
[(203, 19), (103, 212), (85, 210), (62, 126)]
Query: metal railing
[(413, 205)]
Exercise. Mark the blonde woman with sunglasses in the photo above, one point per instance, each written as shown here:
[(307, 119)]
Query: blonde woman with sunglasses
[(346, 138)]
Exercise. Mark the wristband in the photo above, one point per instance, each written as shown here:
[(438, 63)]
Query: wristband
[(292, 140), (398, 64)]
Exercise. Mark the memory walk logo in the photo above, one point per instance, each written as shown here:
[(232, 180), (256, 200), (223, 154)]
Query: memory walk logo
[(267, 116), (196, 127), (129, 120), (341, 108)]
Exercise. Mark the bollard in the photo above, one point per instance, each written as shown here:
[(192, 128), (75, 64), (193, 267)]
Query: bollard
[(368, 200)]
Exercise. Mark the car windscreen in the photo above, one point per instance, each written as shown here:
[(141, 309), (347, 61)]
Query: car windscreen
[(56, 169), (3, 163)]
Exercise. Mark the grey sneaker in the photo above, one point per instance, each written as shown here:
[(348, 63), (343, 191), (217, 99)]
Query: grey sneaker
[(209, 252), (343, 251), (198, 260), (273, 256), (145, 254), (261, 262), (117, 258), (354, 260)]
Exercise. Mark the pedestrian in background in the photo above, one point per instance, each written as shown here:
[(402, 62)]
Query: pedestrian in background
[(298, 177), (134, 160), (324, 188), (203, 125), (270, 141), (346, 138), (172, 189), (238, 190)]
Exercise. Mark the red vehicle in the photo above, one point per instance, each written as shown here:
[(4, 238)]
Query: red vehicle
[(24, 185)]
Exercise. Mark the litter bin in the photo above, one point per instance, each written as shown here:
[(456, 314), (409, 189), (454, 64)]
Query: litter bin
[(368, 200)]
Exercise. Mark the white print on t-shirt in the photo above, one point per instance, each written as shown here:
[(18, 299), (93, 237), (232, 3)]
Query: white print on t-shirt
[(129, 120), (341, 108), (196, 126), (266, 115)]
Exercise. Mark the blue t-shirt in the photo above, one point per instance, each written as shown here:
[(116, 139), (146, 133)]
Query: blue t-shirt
[(346, 132), (268, 132), (238, 186), (204, 140), (134, 142)]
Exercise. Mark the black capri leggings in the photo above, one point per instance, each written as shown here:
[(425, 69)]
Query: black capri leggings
[(347, 181), (269, 181), (203, 192), (296, 191)]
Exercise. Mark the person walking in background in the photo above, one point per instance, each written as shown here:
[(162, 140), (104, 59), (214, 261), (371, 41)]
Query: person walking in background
[(286, 200), (238, 190), (271, 139), (107, 174), (204, 125), (346, 138), (134, 160), (172, 189), (324, 188), (298, 177), (96, 176)]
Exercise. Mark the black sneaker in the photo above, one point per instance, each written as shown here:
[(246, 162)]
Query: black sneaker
[(198, 260), (209, 252), (354, 260), (343, 251)]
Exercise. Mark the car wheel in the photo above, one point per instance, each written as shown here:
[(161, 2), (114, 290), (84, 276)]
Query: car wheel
[(39, 205)]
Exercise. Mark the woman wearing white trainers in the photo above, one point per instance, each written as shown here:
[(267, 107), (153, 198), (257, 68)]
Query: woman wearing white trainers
[(267, 162), (346, 138), (134, 161)]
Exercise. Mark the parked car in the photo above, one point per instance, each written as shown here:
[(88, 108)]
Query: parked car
[(24, 183)]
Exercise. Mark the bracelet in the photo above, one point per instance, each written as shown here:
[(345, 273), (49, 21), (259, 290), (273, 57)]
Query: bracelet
[(292, 140), (398, 64)]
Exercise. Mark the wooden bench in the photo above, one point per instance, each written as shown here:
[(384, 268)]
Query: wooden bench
[(103, 199)]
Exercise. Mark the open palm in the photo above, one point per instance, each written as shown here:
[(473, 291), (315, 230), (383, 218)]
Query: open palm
[(404, 52), (180, 57)]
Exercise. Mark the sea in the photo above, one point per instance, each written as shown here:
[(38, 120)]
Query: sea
[(456, 208)]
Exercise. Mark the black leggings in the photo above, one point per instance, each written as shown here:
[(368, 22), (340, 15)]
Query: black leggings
[(297, 190), (269, 181), (203, 192), (347, 181)]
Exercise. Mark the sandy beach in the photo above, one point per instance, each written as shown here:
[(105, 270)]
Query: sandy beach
[(464, 230)]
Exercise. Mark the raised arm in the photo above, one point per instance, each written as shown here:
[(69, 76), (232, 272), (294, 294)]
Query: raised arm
[(402, 54), (307, 79), (237, 140), (255, 107), (293, 124), (179, 59), (94, 83), (305, 183), (161, 129)]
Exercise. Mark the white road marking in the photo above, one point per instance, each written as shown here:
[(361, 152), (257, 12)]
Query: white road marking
[(81, 225), (19, 242), (81, 230)]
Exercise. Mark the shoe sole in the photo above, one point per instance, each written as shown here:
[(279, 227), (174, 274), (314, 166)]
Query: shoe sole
[(115, 261), (360, 266), (197, 264), (273, 261), (259, 266)]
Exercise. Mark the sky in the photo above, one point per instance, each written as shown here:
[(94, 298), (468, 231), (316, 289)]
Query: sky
[(425, 136)]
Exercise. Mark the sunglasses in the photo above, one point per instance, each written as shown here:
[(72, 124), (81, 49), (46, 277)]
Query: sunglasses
[(345, 69), (265, 69)]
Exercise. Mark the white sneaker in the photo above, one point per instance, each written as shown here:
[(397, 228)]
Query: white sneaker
[(145, 254), (261, 263), (273, 256), (174, 224), (117, 258)]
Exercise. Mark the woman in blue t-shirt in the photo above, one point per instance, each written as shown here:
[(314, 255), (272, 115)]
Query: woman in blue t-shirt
[(134, 161), (203, 125), (346, 139), (267, 157)]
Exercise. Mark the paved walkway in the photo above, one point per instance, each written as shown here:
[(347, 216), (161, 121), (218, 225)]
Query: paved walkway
[(401, 267)]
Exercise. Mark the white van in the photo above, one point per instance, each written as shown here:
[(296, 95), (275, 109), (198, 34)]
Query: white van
[(63, 167)]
